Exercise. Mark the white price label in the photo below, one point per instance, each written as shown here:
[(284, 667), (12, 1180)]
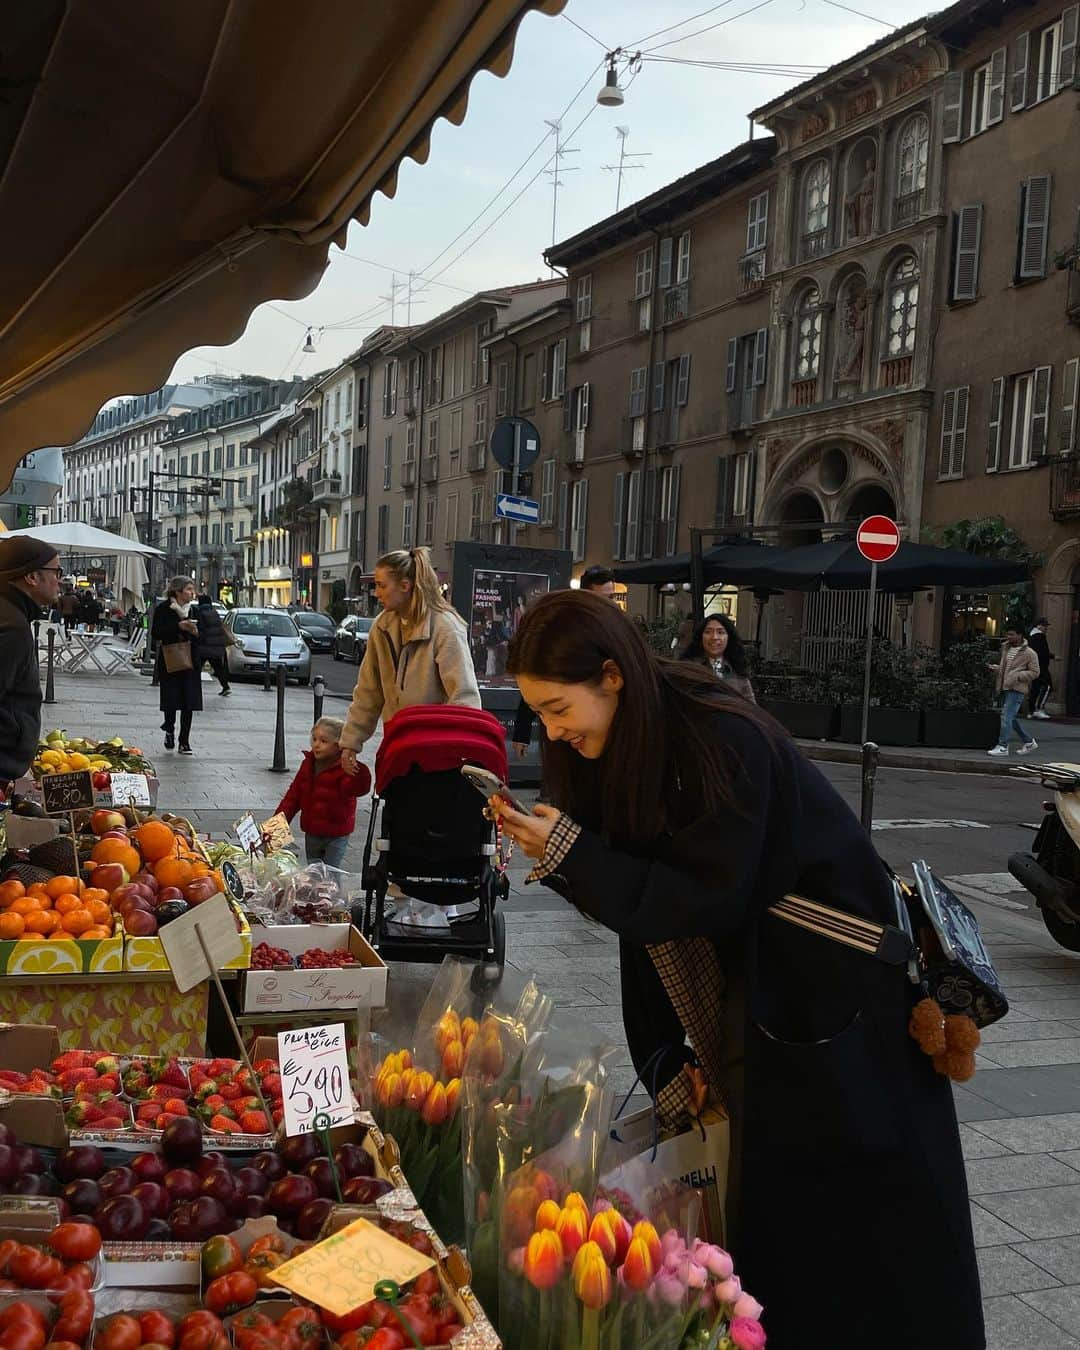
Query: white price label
[(129, 789), (248, 832), (314, 1065)]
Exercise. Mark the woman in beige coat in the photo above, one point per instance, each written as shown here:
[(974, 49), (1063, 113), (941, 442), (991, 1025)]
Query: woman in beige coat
[(417, 650)]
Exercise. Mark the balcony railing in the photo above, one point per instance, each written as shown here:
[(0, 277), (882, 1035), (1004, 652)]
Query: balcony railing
[(408, 473), (750, 275), (908, 207), (327, 488), (431, 468), (804, 392), (677, 302), (896, 371), (743, 409), (1065, 488), (633, 437), (814, 244)]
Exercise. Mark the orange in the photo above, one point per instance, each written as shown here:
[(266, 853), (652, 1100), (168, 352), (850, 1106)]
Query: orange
[(155, 839), (26, 905), (37, 889), (117, 851), (9, 891), (77, 922), (59, 935), (173, 872), (61, 886), (99, 910), (11, 926), (95, 931), (94, 893), (66, 903), (42, 921)]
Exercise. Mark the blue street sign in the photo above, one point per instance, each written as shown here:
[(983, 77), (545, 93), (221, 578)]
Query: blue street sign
[(522, 509)]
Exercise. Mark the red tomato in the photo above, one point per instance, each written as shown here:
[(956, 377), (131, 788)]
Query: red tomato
[(387, 1338), (34, 1268), (21, 1311), (201, 1318), (250, 1320), (229, 1293), (352, 1340), (203, 1338), (75, 1241), (423, 1325), (351, 1321), (62, 1345), (76, 1317), (7, 1250), (120, 1332), (272, 1242), (260, 1265), (221, 1256), (256, 1340), (303, 1324), (157, 1328), (427, 1282), (22, 1336)]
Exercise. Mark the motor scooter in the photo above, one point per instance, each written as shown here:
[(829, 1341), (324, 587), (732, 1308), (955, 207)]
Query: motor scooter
[(1051, 871)]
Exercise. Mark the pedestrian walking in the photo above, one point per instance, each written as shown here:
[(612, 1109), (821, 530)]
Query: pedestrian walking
[(30, 575), (1041, 687), (325, 795), (1015, 672), (417, 650), (69, 609), (175, 630), (716, 645), (680, 814), (214, 642), (89, 611)]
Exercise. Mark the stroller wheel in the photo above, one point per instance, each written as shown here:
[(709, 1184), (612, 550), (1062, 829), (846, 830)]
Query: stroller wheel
[(487, 974)]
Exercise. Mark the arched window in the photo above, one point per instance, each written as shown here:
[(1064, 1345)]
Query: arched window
[(816, 192), (808, 318), (902, 311), (911, 158)]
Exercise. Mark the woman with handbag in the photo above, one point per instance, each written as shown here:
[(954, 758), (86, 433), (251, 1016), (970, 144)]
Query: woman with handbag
[(682, 814), (175, 629)]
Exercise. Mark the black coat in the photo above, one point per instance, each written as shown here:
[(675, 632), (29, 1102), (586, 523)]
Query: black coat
[(20, 684), (1041, 647), (846, 1176), (181, 690), (213, 641)]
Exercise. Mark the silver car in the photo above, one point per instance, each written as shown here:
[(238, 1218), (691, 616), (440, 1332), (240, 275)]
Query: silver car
[(251, 628)]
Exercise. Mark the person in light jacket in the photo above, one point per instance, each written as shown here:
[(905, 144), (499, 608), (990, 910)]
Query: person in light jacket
[(1015, 672), (417, 650)]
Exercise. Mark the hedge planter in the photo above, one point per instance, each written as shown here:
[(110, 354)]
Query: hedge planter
[(888, 726), (960, 730), (811, 721)]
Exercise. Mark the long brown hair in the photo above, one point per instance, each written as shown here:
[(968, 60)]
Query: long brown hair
[(661, 727)]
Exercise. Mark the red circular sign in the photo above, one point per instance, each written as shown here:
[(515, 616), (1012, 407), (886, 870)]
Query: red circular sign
[(878, 538)]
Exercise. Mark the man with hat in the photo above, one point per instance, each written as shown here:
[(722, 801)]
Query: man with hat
[(30, 575)]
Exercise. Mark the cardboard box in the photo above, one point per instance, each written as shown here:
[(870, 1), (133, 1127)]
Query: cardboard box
[(346, 988), (24, 1048), (143, 1016), (147, 953), (29, 831), (35, 1120), (70, 956)]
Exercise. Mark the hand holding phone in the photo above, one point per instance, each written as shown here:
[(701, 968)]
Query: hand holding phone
[(489, 784)]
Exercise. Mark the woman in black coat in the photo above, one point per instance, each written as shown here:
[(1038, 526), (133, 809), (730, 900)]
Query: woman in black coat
[(213, 642), (681, 814), (181, 690)]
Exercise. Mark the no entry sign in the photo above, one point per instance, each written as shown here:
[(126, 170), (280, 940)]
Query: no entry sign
[(878, 538)]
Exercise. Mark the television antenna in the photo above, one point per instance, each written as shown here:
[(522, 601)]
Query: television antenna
[(624, 164), (556, 182)]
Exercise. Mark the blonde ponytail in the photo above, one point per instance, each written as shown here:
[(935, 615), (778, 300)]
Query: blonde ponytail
[(414, 564)]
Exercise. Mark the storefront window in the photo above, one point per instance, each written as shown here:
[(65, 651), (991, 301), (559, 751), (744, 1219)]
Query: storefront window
[(976, 614)]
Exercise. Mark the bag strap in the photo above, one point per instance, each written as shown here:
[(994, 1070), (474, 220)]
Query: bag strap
[(883, 941)]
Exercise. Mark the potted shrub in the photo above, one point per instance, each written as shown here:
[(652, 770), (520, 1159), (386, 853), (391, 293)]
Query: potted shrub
[(958, 703), (800, 700), (895, 707)]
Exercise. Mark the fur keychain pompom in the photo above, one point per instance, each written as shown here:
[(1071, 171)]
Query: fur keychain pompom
[(950, 1041)]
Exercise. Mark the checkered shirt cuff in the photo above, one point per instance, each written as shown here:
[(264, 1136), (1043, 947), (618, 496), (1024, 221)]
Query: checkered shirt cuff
[(673, 1102), (560, 841)]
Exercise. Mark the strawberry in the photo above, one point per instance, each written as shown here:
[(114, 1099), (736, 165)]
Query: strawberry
[(217, 1067), (230, 1091), (71, 1078), (109, 1123), (78, 1112), (12, 1078), (271, 1084), (265, 1066), (165, 1118), (254, 1122), (73, 1059), (277, 1115), (246, 1104), (172, 1074), (221, 1124), (107, 1064), (208, 1089), (174, 1106), (147, 1111), (214, 1102)]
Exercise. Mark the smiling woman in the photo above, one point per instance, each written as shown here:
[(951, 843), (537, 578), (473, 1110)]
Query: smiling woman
[(681, 813)]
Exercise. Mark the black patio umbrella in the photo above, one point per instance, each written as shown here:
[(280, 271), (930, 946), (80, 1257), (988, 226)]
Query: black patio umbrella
[(734, 563), (838, 565)]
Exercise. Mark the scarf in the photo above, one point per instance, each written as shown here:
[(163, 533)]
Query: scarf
[(183, 610)]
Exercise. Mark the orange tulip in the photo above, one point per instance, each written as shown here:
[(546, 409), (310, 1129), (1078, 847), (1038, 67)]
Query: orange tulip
[(453, 1091), (448, 1029), (416, 1093), (391, 1091), (491, 1053), (469, 1028), (644, 1229), (591, 1276), (575, 1200), (638, 1269), (543, 1265), (547, 1216), (453, 1059), (435, 1110), (572, 1227), (519, 1211), (602, 1233), (622, 1233)]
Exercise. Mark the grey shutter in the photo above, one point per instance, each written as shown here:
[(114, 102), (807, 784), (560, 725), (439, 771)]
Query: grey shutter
[(751, 486), (658, 387), (995, 109), (952, 112), (564, 515), (633, 513), (948, 424), (732, 378), (1034, 226), (671, 539), (581, 518), (682, 387), (584, 405), (648, 515), (1040, 411), (966, 256), (761, 356), (618, 523), (1067, 67), (568, 411), (725, 489), (666, 246), (997, 416), (1018, 80), (1070, 382), (960, 424)]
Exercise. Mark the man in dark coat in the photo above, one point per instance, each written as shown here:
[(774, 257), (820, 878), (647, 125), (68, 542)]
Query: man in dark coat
[(30, 575), (213, 641), (1040, 688)]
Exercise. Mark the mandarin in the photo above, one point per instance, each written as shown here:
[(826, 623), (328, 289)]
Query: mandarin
[(94, 893), (95, 931), (9, 891), (61, 885), (44, 921), (77, 922), (99, 910), (66, 903), (11, 926), (37, 889), (25, 905)]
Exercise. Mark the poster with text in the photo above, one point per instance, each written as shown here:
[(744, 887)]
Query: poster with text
[(498, 602)]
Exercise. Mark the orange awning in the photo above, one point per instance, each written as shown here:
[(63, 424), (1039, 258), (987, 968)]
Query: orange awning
[(165, 168)]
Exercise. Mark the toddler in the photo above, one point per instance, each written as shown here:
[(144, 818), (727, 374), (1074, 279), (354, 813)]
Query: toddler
[(325, 795)]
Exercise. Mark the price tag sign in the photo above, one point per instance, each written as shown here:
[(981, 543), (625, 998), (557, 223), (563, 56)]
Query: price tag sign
[(277, 833), (248, 832), (129, 789), (184, 951), (67, 791), (314, 1064), (341, 1272)]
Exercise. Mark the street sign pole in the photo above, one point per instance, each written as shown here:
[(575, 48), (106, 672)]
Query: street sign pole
[(869, 653), (515, 473)]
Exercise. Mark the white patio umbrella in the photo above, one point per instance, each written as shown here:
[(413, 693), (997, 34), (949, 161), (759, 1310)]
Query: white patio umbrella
[(130, 575), (73, 536)]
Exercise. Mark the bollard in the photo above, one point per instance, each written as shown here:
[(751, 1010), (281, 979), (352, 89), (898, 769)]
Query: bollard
[(50, 693), (318, 691), (266, 670), (278, 765), (869, 773)]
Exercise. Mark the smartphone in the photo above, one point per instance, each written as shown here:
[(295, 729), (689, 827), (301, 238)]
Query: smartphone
[(489, 784)]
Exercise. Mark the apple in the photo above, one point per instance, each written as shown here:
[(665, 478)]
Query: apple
[(137, 923), (117, 834), (103, 821), (110, 876), (134, 890), (167, 893), (202, 888), (148, 1166), (147, 879)]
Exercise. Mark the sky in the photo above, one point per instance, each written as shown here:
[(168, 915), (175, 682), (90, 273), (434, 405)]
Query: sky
[(463, 222)]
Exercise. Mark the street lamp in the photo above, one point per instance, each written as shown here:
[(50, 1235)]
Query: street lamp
[(610, 95)]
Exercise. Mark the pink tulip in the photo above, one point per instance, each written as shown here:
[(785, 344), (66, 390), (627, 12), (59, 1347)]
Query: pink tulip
[(715, 1260), (727, 1291), (747, 1306), (669, 1288)]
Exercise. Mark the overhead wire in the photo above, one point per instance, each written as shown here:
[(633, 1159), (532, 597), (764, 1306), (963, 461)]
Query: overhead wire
[(860, 13), (635, 46), (711, 28), (591, 36)]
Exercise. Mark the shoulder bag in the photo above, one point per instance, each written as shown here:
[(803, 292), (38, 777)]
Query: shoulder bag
[(177, 657)]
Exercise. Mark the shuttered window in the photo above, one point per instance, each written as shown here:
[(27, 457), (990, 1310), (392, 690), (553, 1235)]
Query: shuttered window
[(967, 237), (1040, 411), (993, 436), (731, 379), (952, 112), (639, 386), (1070, 381), (757, 222), (761, 356), (618, 522), (682, 383), (1019, 58), (669, 508), (633, 513), (954, 420), (1034, 227), (666, 249)]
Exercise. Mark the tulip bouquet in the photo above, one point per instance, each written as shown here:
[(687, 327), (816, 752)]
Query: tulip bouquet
[(587, 1278)]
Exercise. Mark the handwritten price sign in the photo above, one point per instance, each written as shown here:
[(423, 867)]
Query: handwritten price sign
[(315, 1077), (67, 791), (341, 1272)]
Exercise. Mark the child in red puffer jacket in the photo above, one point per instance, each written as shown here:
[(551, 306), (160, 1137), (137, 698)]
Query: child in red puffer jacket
[(325, 795)]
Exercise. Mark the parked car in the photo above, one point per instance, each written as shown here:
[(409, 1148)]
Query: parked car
[(317, 630), (350, 640), (251, 628)]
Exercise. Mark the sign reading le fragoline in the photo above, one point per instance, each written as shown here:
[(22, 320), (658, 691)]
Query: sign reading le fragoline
[(878, 538)]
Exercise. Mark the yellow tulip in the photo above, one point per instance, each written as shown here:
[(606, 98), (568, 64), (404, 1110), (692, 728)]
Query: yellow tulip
[(591, 1276)]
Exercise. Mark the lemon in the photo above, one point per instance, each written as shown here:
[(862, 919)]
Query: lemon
[(78, 761), (50, 757)]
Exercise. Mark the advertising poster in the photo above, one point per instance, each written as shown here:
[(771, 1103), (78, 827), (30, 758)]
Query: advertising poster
[(497, 603)]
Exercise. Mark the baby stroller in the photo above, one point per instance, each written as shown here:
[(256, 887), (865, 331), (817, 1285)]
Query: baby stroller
[(435, 844)]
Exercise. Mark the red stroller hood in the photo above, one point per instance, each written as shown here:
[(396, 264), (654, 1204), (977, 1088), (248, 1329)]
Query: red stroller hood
[(434, 737)]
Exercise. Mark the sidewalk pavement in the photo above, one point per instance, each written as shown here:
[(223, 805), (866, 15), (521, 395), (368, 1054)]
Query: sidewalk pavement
[(1020, 1114)]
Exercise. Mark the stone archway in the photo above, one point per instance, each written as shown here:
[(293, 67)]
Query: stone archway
[(1058, 598), (871, 499), (834, 470)]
